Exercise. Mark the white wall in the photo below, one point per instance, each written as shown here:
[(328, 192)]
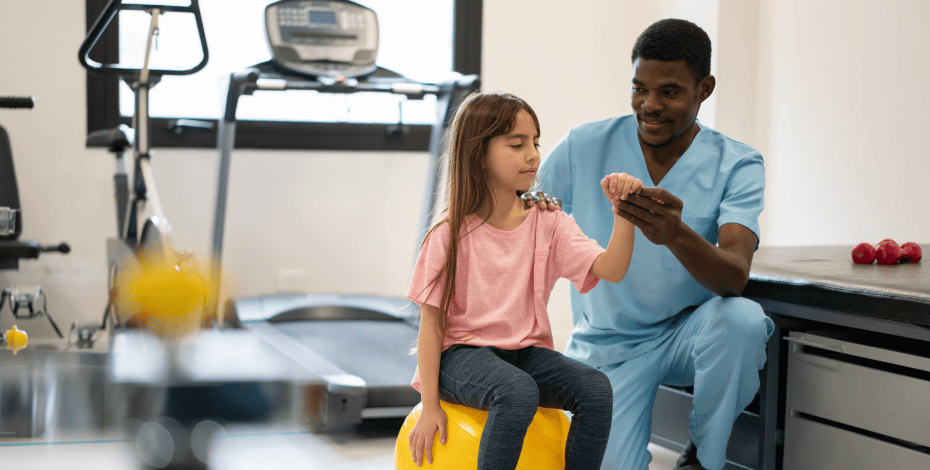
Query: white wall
[(847, 160), (829, 91)]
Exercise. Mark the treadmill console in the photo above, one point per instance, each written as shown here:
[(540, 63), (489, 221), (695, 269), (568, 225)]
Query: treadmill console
[(323, 38)]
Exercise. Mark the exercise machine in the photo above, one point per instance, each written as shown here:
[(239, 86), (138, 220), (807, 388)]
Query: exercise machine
[(25, 302), (358, 344), (143, 230), (181, 389)]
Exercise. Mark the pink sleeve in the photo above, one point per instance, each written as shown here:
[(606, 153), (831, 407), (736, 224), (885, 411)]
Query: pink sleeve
[(575, 254), (429, 264)]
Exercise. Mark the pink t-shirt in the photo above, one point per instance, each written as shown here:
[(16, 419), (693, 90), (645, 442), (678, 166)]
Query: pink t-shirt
[(503, 279)]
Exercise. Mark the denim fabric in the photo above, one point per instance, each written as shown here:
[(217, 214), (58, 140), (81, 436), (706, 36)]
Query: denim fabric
[(512, 384)]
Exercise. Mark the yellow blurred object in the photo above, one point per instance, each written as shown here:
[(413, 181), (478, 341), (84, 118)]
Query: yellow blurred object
[(543, 447), (165, 298), (16, 339)]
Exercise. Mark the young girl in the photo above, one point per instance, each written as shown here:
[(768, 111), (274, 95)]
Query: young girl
[(482, 280)]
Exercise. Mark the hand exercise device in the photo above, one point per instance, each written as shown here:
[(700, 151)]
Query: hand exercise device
[(30, 299), (358, 344)]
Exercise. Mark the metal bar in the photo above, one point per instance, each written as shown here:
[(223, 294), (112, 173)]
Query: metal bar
[(768, 399), (226, 140), (436, 167), (836, 347), (862, 322), (151, 193), (141, 119)]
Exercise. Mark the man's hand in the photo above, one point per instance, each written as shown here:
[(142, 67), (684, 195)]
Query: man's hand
[(721, 269), (540, 199), (655, 211)]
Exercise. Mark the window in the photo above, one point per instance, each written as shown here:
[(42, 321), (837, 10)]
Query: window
[(294, 120)]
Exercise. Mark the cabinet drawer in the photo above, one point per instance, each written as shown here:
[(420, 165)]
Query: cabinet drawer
[(876, 390), (811, 445)]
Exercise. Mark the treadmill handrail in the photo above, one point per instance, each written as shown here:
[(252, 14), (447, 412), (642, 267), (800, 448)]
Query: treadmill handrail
[(449, 95)]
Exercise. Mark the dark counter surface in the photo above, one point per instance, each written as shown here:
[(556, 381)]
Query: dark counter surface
[(825, 277)]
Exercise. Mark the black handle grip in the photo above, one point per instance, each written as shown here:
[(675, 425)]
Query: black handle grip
[(62, 247), (112, 9), (17, 102)]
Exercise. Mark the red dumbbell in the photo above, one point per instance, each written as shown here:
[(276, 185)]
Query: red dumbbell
[(863, 253), (887, 252), (910, 253)]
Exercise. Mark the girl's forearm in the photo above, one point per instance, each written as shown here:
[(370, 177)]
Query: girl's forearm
[(612, 265), (429, 349)]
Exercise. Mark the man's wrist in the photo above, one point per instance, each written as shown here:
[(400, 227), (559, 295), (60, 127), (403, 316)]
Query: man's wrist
[(681, 237)]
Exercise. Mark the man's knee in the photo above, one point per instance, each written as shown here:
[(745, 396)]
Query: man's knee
[(742, 318)]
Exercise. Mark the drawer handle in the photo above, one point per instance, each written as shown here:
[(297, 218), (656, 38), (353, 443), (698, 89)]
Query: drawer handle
[(836, 347)]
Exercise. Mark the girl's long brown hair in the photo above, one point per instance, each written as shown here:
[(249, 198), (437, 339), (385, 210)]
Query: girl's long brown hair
[(480, 118)]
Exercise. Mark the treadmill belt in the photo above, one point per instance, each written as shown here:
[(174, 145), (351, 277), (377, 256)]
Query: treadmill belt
[(376, 351)]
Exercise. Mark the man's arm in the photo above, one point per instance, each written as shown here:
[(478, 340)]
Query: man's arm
[(721, 269)]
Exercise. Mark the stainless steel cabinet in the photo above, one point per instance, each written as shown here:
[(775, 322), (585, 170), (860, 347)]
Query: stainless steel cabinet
[(855, 406)]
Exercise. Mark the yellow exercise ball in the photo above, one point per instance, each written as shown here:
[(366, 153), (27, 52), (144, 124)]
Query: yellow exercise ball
[(543, 447)]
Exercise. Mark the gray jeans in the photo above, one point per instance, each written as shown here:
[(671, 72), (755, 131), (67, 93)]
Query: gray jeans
[(512, 384)]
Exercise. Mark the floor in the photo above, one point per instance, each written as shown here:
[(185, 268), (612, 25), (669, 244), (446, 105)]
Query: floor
[(367, 447)]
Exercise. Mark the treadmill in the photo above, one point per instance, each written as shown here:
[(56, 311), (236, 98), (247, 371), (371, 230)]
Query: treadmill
[(360, 345)]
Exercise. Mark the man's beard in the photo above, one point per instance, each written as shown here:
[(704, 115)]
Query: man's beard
[(657, 146)]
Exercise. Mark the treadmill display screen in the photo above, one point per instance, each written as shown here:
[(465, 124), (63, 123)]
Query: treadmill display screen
[(322, 17)]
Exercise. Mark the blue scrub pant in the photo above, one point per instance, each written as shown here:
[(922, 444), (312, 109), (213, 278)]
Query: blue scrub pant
[(718, 348)]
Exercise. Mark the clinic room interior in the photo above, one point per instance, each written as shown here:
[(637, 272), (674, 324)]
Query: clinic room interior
[(830, 92)]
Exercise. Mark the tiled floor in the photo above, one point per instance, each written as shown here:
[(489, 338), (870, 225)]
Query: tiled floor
[(365, 448)]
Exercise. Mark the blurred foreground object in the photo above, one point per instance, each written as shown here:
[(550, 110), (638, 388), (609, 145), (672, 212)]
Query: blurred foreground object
[(175, 397), (166, 298), (14, 339)]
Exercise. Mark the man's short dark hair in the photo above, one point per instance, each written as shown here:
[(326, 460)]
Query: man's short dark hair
[(673, 39)]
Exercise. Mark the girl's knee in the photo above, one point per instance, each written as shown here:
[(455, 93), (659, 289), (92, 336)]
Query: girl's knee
[(595, 394), (599, 387), (518, 392)]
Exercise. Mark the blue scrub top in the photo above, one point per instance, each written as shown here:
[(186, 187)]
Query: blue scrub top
[(720, 181)]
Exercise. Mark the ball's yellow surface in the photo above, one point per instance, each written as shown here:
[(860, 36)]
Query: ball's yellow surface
[(16, 339), (543, 447), (166, 299)]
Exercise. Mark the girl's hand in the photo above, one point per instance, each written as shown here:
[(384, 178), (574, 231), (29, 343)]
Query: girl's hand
[(618, 186), (541, 200), (432, 419)]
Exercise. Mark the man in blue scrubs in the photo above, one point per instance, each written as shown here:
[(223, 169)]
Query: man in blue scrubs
[(677, 317)]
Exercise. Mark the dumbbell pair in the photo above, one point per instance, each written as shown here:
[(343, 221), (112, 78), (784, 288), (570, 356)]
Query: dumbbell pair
[(886, 252)]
